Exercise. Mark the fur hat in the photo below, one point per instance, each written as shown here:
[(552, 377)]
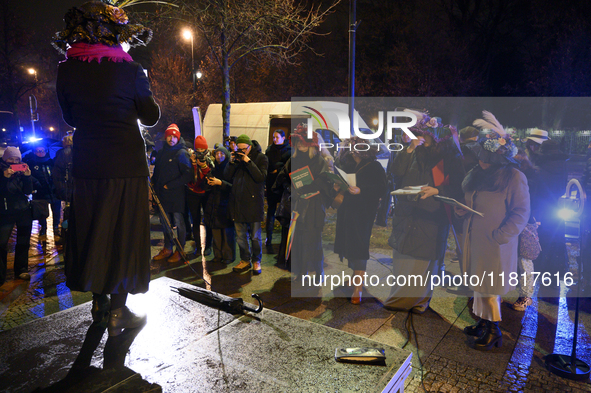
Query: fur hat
[(95, 22), (173, 129), (11, 152), (243, 139), (200, 142)]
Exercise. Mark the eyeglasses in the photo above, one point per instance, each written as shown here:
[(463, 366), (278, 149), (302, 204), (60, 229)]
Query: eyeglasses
[(39, 150)]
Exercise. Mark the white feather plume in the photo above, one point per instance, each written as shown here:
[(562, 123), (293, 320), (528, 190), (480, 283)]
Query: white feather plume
[(490, 122)]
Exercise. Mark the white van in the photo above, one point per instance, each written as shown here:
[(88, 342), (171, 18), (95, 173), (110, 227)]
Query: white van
[(259, 120)]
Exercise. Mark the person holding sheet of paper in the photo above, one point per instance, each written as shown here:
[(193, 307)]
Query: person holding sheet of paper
[(421, 223), (358, 210), (499, 190)]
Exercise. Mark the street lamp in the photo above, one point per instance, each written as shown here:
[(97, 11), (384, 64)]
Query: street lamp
[(199, 74), (188, 35)]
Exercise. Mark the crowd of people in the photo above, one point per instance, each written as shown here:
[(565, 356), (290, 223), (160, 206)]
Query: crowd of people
[(102, 177)]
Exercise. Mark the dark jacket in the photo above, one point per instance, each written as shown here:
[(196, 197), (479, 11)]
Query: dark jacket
[(248, 186), (62, 174), (357, 213), (14, 191), (217, 215), (41, 170), (105, 110), (278, 156), (420, 226), (172, 169)]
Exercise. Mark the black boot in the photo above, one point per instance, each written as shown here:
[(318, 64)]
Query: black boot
[(492, 336), (100, 308), (476, 330)]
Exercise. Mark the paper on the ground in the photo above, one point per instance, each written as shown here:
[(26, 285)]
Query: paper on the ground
[(348, 177), (409, 190), (453, 202)]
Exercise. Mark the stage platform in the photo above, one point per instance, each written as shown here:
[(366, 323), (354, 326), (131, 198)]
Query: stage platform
[(190, 347)]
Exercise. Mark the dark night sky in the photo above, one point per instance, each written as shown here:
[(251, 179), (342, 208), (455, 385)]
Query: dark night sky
[(46, 12)]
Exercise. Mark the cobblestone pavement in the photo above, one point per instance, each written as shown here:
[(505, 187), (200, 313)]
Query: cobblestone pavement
[(446, 363)]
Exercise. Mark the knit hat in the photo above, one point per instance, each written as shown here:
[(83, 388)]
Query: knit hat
[(538, 136), (244, 139), (95, 22), (200, 142), (173, 129), (223, 150), (10, 152)]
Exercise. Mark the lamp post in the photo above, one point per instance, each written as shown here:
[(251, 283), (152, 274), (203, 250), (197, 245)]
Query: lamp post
[(188, 35)]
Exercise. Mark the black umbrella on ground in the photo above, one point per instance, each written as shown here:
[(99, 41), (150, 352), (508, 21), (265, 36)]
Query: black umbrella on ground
[(217, 300)]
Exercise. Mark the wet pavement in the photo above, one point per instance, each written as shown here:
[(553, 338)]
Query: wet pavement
[(443, 360)]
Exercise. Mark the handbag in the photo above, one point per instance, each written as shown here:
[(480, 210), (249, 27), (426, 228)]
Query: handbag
[(40, 209), (529, 242)]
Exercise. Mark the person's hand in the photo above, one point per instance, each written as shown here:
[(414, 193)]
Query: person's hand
[(244, 157), (8, 172), (27, 171), (214, 181), (428, 191), (354, 190), (459, 211), (414, 143)]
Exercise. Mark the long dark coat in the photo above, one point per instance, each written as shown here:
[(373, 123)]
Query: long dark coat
[(490, 242), (247, 198), (172, 169), (62, 174), (420, 226), (104, 101), (357, 213), (278, 156), (217, 215), (14, 191)]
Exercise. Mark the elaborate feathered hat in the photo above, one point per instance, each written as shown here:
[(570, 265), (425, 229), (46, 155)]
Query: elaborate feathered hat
[(494, 145), (434, 127), (95, 22)]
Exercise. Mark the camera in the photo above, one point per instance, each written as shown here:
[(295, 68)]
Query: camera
[(200, 155), (238, 153)]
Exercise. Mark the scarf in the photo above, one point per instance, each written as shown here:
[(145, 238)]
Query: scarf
[(89, 52)]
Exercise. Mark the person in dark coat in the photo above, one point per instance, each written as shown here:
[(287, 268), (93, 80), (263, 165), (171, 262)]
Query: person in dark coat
[(307, 255), (15, 210), (421, 223), (278, 153), (498, 190), (172, 172), (356, 214), (217, 216), (63, 180), (103, 93), (41, 166), (247, 172), (198, 192)]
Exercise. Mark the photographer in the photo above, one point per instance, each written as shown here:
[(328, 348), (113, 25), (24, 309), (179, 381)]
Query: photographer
[(247, 173), (198, 192), (171, 172), (15, 184)]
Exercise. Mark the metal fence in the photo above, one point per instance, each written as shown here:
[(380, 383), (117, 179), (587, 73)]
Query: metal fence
[(571, 141)]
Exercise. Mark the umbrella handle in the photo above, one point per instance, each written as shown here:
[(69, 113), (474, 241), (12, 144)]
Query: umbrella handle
[(258, 299)]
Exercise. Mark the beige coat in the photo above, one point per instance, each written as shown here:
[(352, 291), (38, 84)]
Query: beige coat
[(490, 244)]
